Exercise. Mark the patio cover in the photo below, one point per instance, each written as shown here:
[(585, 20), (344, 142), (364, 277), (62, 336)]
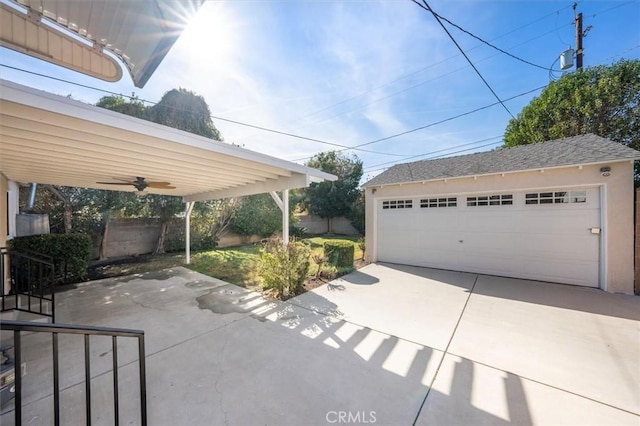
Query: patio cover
[(87, 36), (50, 139)]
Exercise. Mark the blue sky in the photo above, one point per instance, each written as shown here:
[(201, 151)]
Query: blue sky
[(351, 72)]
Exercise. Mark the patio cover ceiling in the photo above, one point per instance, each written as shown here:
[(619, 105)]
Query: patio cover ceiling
[(78, 34), (50, 139)]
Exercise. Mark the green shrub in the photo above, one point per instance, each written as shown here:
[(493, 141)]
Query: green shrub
[(339, 253), (257, 215), (332, 272), (70, 252), (284, 269)]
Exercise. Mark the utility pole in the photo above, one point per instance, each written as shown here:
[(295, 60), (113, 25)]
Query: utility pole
[(579, 35)]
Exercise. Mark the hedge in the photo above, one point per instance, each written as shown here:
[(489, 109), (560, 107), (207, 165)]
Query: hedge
[(339, 253), (70, 252)]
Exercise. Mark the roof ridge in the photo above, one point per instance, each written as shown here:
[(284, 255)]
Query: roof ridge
[(588, 148)]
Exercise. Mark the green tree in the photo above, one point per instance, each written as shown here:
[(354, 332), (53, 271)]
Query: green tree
[(101, 206), (133, 107), (257, 215), (164, 207), (333, 199), (604, 100), (183, 109)]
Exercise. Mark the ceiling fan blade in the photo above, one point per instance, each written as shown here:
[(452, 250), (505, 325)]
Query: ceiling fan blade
[(115, 183), (160, 185)]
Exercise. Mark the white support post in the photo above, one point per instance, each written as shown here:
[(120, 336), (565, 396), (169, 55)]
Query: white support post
[(187, 231), (283, 204), (285, 217), (13, 195)]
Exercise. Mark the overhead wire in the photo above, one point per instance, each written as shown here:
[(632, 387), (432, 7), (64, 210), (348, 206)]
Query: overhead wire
[(428, 8), (411, 157), (469, 33), (412, 73), (266, 129), (343, 147), (442, 121), (447, 154)]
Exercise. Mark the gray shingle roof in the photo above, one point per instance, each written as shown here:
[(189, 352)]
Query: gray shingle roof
[(575, 150)]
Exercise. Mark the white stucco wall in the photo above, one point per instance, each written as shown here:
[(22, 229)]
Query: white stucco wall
[(617, 203)]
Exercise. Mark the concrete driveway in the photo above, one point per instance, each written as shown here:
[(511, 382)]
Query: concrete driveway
[(385, 345)]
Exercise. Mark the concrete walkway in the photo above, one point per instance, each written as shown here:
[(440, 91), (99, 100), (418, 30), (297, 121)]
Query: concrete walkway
[(385, 345)]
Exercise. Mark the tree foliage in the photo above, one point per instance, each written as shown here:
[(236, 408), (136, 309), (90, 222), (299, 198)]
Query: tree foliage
[(183, 109), (133, 107), (257, 215), (604, 100), (333, 199)]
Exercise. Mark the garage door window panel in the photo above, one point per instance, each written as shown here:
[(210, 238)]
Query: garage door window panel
[(490, 200), (438, 202), (556, 197), (397, 204)]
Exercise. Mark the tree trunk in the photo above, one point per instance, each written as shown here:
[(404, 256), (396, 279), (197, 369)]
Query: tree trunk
[(163, 232), (67, 217), (329, 225), (68, 209), (105, 236)]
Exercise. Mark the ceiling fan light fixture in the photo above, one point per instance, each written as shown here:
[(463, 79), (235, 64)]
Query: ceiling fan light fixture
[(140, 193)]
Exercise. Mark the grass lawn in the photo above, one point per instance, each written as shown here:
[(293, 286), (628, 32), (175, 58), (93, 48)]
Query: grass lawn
[(237, 265)]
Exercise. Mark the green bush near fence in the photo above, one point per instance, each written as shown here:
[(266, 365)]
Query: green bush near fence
[(70, 252), (339, 253)]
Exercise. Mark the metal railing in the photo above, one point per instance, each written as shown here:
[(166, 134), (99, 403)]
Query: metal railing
[(31, 276), (19, 327)]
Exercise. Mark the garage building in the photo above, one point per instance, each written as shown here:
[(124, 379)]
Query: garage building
[(558, 211)]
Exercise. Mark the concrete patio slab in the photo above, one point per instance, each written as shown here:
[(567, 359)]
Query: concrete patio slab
[(468, 393), (417, 304), (233, 358), (576, 339), (369, 346), (298, 369)]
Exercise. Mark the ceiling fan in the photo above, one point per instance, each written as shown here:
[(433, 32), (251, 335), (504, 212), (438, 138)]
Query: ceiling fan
[(140, 184)]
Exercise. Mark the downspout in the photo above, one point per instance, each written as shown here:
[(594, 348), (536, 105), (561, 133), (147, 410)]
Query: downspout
[(187, 231), (31, 201)]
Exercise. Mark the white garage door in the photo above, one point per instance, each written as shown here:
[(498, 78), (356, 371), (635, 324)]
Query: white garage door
[(548, 235)]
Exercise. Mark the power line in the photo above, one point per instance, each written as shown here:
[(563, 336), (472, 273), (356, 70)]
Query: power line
[(344, 147), (441, 121), (412, 73), (489, 44), (448, 154), (405, 76), (433, 152), (435, 15), (406, 89), (266, 129)]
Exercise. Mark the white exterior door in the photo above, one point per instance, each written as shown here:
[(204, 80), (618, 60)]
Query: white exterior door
[(548, 235)]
